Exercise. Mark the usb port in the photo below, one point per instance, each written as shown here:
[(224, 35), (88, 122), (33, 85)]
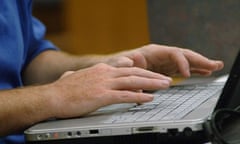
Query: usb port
[(95, 131)]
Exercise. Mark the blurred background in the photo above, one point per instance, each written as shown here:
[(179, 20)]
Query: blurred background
[(101, 27), (98, 26)]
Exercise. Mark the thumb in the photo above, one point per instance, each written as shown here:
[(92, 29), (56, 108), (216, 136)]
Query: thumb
[(122, 62), (66, 74), (139, 60)]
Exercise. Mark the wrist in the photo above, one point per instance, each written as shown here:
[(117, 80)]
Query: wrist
[(53, 95)]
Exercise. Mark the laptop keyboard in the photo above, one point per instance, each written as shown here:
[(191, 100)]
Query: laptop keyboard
[(171, 104)]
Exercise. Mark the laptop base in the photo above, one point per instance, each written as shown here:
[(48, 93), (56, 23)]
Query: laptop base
[(149, 138)]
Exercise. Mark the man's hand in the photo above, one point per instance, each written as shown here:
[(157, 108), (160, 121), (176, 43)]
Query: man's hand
[(86, 90), (166, 60)]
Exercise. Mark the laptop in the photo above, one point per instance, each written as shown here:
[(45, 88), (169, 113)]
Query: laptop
[(175, 114)]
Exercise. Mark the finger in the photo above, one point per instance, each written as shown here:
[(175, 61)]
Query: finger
[(134, 71), (201, 72), (139, 60), (136, 83), (181, 61), (219, 64), (198, 61), (128, 97)]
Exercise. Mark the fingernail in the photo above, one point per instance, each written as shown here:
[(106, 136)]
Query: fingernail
[(165, 82), (187, 74), (149, 97), (169, 79)]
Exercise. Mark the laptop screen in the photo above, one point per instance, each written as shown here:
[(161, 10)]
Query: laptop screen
[(230, 97)]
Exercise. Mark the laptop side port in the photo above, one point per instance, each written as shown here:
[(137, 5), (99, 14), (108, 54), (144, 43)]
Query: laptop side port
[(173, 132), (94, 131), (145, 129)]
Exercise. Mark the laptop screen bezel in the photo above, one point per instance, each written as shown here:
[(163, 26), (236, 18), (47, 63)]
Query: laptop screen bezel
[(231, 86)]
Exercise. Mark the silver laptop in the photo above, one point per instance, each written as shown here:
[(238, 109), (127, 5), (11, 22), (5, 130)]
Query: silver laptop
[(178, 111)]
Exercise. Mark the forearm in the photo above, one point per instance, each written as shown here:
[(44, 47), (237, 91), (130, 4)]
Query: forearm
[(20, 108), (50, 65)]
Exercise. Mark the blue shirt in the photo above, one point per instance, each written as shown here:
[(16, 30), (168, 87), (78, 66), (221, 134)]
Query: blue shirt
[(21, 40)]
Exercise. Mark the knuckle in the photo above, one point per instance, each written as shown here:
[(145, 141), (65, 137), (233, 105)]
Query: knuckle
[(103, 67), (131, 79), (186, 50), (152, 45), (135, 69), (178, 50), (125, 96)]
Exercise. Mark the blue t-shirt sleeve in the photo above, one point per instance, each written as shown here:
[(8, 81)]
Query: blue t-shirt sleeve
[(37, 41), (22, 38)]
